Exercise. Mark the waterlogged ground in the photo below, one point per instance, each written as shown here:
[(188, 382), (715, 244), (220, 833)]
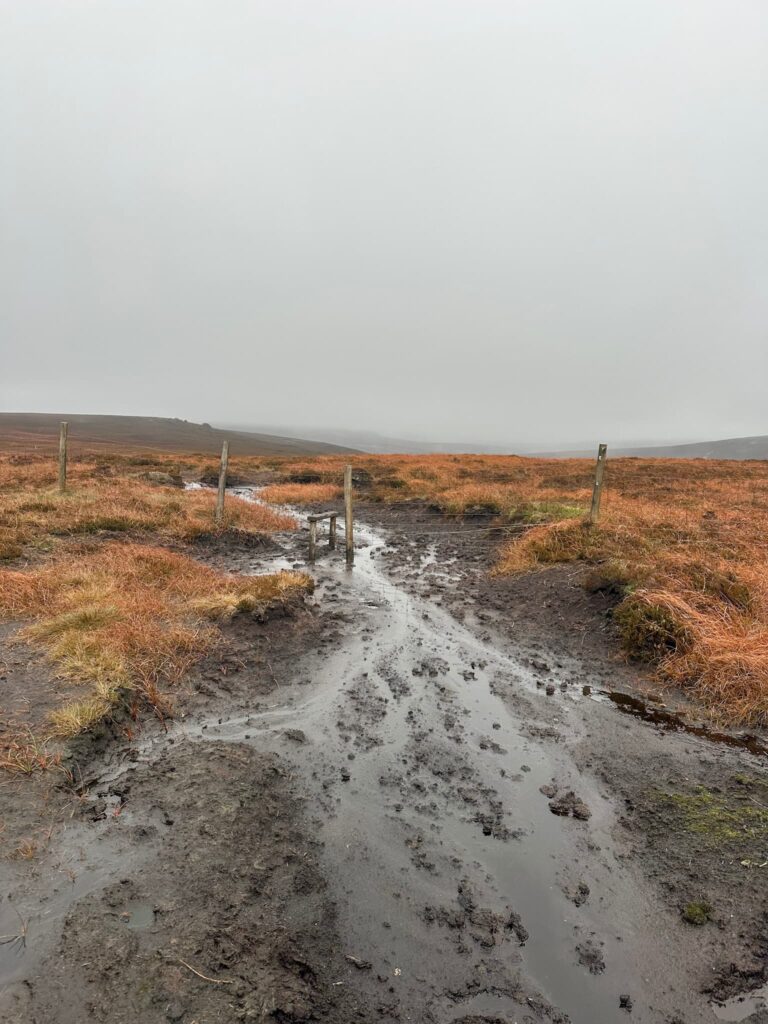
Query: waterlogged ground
[(420, 800)]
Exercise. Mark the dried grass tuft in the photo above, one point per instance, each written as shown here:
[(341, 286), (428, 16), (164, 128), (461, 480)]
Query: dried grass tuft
[(130, 617)]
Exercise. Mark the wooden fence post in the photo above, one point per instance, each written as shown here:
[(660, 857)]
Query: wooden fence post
[(597, 490), (63, 458), (312, 539), (348, 524), (219, 513), (332, 533)]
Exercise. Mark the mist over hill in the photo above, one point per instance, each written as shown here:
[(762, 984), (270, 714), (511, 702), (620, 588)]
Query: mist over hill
[(375, 443)]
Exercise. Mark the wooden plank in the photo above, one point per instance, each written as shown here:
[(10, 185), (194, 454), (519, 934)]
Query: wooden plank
[(349, 527), (63, 458), (597, 490), (219, 513)]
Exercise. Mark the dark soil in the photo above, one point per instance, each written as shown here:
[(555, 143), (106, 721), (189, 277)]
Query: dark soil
[(217, 875)]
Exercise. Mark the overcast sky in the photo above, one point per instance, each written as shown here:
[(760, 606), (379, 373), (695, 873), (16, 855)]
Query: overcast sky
[(542, 221)]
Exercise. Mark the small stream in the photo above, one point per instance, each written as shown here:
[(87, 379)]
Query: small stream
[(367, 838), (369, 835)]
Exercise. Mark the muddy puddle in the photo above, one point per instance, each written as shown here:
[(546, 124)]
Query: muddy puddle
[(743, 1007), (426, 792), (81, 861)]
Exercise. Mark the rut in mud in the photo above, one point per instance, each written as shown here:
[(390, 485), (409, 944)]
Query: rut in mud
[(402, 826)]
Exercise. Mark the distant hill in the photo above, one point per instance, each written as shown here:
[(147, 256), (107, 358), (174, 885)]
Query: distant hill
[(380, 444), (737, 448), (376, 444), (29, 431)]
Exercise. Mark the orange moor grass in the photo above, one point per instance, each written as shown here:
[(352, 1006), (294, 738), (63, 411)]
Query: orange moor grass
[(33, 516), (300, 494), (691, 574), (130, 617)]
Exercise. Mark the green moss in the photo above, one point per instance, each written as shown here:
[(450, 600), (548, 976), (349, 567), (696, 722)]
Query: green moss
[(536, 512), (698, 912), (750, 781), (611, 577), (726, 586), (718, 820), (647, 630)]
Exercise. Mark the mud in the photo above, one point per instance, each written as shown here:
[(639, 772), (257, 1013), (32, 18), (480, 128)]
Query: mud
[(351, 819)]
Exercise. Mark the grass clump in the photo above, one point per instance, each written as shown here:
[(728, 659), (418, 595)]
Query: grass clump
[(301, 493), (611, 577), (135, 617), (536, 512), (694, 588), (649, 631), (698, 912), (26, 754)]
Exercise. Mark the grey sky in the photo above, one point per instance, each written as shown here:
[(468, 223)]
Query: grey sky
[(535, 221)]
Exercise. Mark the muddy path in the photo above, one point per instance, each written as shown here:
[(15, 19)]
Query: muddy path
[(402, 805)]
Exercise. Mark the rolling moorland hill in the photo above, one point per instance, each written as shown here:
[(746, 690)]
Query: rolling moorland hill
[(734, 448), (380, 444), (36, 431)]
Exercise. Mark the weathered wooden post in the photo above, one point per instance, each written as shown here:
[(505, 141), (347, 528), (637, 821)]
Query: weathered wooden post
[(597, 490), (348, 524), (332, 533), (312, 538), (63, 458), (219, 513)]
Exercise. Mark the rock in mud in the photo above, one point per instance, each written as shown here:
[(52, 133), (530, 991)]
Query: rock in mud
[(516, 926), (486, 927), (569, 805), (297, 735), (591, 956), (578, 895)]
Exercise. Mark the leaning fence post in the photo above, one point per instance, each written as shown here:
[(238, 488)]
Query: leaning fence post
[(597, 490), (219, 514), (348, 524), (63, 458)]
